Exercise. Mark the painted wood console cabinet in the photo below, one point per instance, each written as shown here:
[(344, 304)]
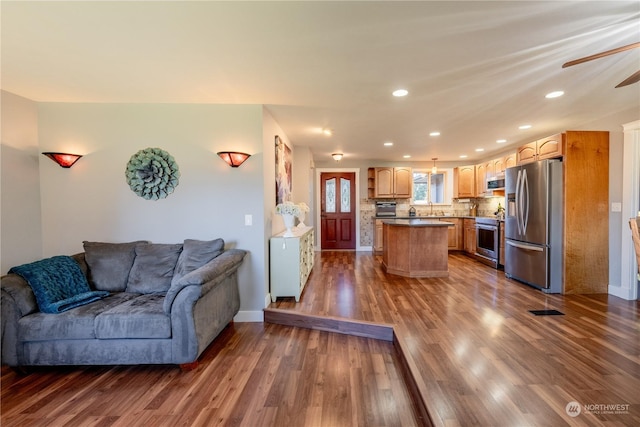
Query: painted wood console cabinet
[(291, 261)]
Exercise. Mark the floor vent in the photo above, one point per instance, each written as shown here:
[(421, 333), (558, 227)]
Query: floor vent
[(546, 313)]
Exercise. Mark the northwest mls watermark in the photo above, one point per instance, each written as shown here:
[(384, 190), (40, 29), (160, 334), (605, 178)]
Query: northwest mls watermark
[(574, 409)]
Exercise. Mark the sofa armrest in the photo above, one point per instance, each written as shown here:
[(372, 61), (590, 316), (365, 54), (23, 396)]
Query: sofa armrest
[(207, 276), (16, 301)]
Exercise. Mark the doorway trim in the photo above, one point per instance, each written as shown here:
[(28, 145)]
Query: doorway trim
[(317, 202), (628, 289)]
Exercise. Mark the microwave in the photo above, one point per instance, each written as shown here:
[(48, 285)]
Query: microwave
[(495, 183)]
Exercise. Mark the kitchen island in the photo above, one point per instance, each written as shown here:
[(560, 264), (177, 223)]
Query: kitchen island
[(415, 247)]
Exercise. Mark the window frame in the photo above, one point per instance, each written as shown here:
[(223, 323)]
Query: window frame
[(447, 187)]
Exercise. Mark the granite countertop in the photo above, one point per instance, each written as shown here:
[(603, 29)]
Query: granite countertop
[(438, 217), (417, 222)]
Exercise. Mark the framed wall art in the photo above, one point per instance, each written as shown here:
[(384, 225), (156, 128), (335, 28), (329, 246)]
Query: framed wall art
[(283, 171)]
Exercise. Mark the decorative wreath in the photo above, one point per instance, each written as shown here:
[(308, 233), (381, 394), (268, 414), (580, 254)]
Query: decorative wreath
[(152, 173)]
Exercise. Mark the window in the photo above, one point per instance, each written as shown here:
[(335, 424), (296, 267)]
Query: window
[(429, 188)]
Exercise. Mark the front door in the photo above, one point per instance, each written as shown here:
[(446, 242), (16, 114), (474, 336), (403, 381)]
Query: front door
[(337, 210)]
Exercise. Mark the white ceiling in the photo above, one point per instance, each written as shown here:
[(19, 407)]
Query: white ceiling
[(475, 70)]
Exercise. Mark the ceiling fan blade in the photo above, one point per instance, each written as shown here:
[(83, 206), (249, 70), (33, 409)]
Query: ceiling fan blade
[(601, 54), (633, 78)]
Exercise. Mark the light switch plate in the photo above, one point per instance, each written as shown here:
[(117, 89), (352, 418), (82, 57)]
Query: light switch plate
[(248, 219), (616, 207)]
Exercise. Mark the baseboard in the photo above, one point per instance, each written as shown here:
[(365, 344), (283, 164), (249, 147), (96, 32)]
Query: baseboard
[(249, 316), (620, 292)]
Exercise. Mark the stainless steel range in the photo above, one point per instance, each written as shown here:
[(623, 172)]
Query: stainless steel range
[(488, 240)]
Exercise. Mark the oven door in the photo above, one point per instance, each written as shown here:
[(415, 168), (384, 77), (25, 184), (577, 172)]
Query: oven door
[(487, 241)]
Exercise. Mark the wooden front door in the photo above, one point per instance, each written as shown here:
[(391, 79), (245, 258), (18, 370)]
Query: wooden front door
[(338, 210)]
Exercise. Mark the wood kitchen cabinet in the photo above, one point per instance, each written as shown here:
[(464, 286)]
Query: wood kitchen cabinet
[(545, 148), (483, 172), (377, 236), (464, 181), (455, 234), (500, 165), (390, 183), (469, 236), (586, 212)]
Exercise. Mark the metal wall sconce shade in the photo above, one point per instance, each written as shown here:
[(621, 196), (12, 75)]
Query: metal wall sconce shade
[(233, 158), (337, 156), (65, 160)]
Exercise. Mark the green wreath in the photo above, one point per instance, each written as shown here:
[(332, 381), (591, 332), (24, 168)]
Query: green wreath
[(152, 173)]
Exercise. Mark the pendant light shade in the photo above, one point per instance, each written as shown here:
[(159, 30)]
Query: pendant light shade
[(233, 158), (65, 160), (434, 169)]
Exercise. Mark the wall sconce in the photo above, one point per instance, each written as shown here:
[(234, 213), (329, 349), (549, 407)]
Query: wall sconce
[(434, 169), (65, 160), (337, 156), (233, 158)]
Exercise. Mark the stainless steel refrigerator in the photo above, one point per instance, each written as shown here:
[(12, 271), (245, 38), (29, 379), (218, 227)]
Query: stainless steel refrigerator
[(534, 224)]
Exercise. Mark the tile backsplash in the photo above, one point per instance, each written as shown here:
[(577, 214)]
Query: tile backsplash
[(485, 207)]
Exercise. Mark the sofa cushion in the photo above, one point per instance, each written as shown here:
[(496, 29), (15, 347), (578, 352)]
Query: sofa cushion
[(141, 317), (77, 323), (110, 264), (195, 254), (153, 267)]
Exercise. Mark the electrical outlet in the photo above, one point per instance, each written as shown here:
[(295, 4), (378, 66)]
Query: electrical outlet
[(248, 219), (616, 207)]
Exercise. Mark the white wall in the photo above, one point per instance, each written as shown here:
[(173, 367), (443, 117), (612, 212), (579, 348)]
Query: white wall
[(20, 226), (92, 200)]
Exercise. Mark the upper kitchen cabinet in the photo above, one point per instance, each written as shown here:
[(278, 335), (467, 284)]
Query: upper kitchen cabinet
[(390, 183), (500, 165), (484, 171), (464, 181), (546, 148)]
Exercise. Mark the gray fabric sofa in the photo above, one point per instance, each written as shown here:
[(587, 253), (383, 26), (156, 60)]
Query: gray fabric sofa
[(165, 305)]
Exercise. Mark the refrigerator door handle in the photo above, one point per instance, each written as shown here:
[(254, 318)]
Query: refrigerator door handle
[(518, 202), (525, 246), (525, 201)]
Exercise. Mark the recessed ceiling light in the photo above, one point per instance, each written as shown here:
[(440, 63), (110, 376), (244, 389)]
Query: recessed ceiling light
[(400, 92), (388, 144), (524, 127), (436, 133), (554, 94), (501, 141), (407, 156), (464, 156), (479, 150)]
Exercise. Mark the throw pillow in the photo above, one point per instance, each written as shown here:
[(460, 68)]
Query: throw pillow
[(195, 254), (110, 264), (153, 267)]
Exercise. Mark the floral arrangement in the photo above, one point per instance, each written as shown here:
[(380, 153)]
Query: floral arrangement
[(288, 208), (303, 207)]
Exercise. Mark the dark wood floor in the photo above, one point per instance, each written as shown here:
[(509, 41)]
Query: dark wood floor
[(481, 358)]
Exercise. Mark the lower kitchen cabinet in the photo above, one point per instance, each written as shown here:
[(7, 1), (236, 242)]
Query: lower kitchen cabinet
[(377, 236), (455, 236), (470, 236), (291, 261)]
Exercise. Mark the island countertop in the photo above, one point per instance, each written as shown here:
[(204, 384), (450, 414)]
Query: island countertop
[(417, 222)]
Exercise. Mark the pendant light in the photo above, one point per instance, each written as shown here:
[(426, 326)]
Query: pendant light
[(434, 169)]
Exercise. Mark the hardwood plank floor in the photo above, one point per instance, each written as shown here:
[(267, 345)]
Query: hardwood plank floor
[(482, 358), (254, 374)]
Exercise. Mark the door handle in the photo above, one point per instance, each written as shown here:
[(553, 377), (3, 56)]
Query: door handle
[(525, 247)]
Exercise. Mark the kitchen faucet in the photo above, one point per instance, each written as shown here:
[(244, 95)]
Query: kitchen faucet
[(431, 206)]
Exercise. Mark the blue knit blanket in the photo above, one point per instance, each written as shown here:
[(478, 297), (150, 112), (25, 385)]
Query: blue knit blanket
[(58, 284)]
